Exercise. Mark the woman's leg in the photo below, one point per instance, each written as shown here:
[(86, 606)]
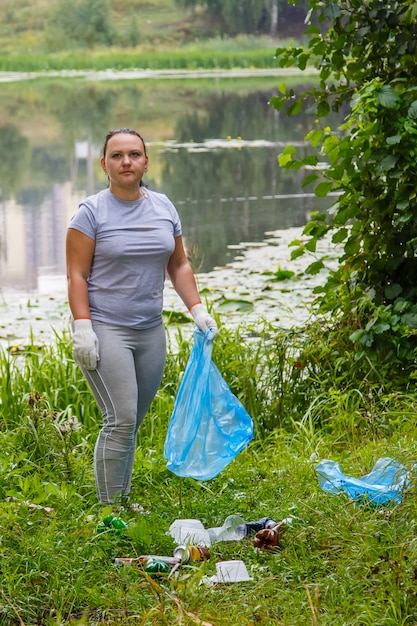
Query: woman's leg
[(116, 386), (149, 355)]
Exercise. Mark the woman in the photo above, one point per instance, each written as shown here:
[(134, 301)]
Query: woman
[(120, 244)]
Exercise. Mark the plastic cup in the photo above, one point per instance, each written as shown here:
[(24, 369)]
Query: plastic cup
[(194, 536), (190, 523), (182, 529), (232, 572)]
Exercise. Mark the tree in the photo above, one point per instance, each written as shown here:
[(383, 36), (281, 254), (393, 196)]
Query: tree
[(245, 16), (13, 169), (83, 23), (365, 56)]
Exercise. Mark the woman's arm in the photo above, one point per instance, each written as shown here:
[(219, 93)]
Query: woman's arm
[(182, 275), (80, 251), (183, 279)]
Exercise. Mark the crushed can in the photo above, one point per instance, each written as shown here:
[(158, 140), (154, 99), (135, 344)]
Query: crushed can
[(191, 553)]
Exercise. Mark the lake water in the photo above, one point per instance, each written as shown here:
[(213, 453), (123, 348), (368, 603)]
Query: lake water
[(213, 144)]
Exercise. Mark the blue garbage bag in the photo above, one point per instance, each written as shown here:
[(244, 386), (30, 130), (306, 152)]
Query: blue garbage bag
[(383, 485), (209, 426)]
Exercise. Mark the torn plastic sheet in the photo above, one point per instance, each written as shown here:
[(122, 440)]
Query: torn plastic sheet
[(383, 485)]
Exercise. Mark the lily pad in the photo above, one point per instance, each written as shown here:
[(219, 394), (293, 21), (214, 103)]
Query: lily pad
[(235, 305), (176, 317), (283, 275)]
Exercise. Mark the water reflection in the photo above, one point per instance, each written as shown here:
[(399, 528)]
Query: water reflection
[(213, 152), (227, 196)]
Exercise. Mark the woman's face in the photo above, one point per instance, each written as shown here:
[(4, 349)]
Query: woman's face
[(125, 161)]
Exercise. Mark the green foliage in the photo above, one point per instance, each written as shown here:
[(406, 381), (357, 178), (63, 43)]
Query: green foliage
[(58, 570), (17, 146), (365, 54), (81, 23), (192, 59), (48, 26), (246, 16), (27, 374)]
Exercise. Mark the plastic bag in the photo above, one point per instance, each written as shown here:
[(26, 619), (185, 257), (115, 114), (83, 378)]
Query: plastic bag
[(209, 426), (384, 484)]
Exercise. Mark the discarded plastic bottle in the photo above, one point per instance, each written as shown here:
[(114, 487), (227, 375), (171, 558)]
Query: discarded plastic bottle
[(235, 528), (269, 538), (131, 560), (252, 528), (142, 560), (232, 530)]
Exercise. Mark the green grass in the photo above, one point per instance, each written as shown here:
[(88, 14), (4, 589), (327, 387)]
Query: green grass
[(192, 59), (159, 24), (165, 36), (340, 562), (25, 24)]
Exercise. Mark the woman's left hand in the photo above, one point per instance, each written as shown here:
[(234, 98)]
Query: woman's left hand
[(203, 320)]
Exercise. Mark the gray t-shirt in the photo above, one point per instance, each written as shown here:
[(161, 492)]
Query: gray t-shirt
[(133, 244)]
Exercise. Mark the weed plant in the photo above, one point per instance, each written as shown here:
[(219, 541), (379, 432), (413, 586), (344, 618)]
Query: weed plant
[(340, 562)]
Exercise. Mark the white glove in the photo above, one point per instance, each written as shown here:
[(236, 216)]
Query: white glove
[(203, 320), (85, 344)]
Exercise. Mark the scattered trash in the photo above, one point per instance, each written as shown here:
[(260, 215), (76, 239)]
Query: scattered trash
[(384, 484), (155, 566), (185, 531), (111, 523), (142, 560), (234, 529), (269, 538), (181, 555), (191, 553), (230, 572)]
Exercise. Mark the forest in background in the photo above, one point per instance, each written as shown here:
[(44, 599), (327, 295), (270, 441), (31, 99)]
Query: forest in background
[(49, 26)]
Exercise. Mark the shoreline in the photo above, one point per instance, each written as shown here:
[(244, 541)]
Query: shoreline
[(245, 291), (144, 73)]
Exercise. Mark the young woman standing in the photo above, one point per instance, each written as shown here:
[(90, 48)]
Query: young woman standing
[(120, 245)]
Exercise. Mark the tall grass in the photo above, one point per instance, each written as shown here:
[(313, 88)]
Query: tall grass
[(340, 562), (208, 58)]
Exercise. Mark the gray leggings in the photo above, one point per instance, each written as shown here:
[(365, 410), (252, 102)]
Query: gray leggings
[(124, 384)]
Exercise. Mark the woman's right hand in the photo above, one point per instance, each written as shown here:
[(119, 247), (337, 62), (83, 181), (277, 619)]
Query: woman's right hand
[(85, 344)]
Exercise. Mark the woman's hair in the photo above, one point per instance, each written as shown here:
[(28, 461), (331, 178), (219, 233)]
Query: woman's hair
[(119, 131)]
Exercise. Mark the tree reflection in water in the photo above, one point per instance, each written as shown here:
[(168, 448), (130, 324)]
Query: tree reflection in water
[(213, 148)]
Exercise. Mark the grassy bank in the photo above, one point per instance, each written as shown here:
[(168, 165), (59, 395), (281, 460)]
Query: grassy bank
[(339, 563), (185, 59), (157, 34)]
